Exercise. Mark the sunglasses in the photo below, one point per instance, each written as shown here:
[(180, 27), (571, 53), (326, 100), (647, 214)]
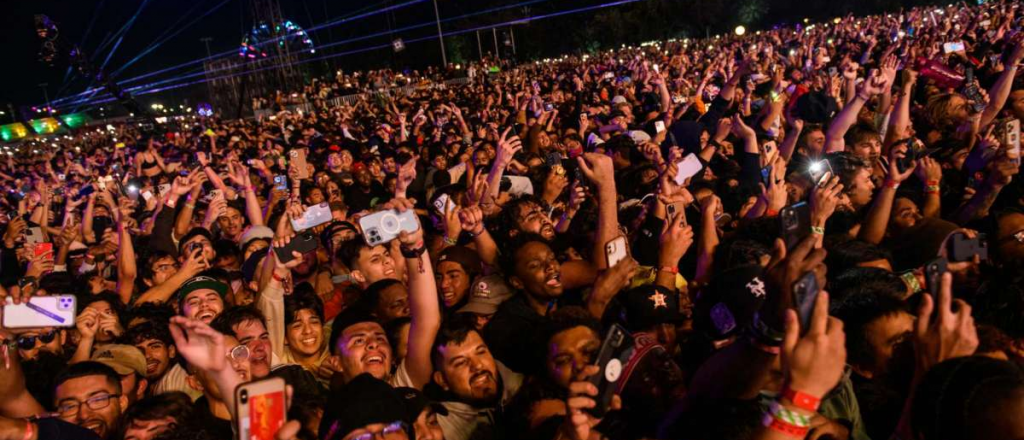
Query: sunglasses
[(29, 342)]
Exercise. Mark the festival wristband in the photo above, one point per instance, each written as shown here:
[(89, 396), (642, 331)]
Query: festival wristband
[(817, 230), (801, 399)]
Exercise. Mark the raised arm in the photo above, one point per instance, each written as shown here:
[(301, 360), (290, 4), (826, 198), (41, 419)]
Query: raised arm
[(873, 230), (423, 305), (126, 270), (599, 170), (1000, 91), (848, 116)]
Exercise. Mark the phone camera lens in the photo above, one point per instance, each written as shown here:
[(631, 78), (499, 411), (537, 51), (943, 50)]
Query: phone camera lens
[(244, 395)]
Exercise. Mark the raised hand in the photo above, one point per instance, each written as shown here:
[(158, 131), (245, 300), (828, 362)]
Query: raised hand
[(824, 200), (507, 148), (897, 153), (597, 168), (813, 363), (676, 239), (88, 323), (579, 424), (200, 345), (947, 334)]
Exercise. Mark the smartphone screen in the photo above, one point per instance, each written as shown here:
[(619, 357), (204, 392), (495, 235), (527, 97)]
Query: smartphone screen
[(612, 358), (261, 408), (688, 167)]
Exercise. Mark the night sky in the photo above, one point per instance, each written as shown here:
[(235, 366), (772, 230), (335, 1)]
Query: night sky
[(225, 25)]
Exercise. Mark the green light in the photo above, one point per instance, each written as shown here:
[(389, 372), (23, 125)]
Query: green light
[(75, 120), (13, 131)]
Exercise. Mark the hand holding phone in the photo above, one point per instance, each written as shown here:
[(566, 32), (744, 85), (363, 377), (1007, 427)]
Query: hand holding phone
[(616, 250), (611, 360), (384, 226), (933, 271), (260, 408), (805, 294)]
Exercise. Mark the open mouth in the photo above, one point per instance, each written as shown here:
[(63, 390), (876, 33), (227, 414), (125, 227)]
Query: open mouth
[(151, 366), (448, 296), (374, 359), (554, 280), (206, 316), (309, 341), (481, 378)]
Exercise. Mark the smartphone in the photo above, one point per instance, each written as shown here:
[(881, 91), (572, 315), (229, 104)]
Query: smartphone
[(796, 223), (384, 226), (659, 126), (315, 215), (147, 195), (61, 177), (303, 242), (40, 311), (281, 183), (956, 46), (961, 248), (298, 157), (1008, 133), (441, 204), (548, 107), (34, 235), (970, 90), (86, 190), (820, 171), (43, 249), (612, 358), (260, 406), (832, 71), (933, 271), (616, 250), (805, 294), (212, 195), (688, 167), (766, 175)]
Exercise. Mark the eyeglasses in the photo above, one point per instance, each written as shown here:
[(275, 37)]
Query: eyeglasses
[(239, 353), (69, 409), (1016, 236), (389, 431), (29, 342)]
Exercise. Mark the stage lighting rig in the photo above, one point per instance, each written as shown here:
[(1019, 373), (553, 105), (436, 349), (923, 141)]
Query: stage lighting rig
[(53, 47)]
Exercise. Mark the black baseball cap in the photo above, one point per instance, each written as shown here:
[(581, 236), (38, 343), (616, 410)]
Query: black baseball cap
[(649, 305), (363, 401)]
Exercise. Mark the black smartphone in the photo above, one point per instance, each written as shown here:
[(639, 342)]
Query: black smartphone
[(961, 248), (85, 191), (970, 90), (302, 243), (933, 271), (766, 175), (612, 358), (805, 294), (796, 223)]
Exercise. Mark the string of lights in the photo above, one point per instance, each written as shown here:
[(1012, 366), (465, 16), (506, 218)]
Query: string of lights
[(233, 51), (386, 45), (198, 73)]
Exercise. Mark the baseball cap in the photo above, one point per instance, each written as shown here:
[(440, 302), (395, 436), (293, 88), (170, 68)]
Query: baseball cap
[(254, 233), (363, 401), (619, 99), (465, 257), (649, 305), (415, 401), (201, 282), (124, 359), (729, 303), (488, 292), (252, 264)]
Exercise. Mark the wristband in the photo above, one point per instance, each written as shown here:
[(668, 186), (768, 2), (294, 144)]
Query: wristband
[(778, 411), (932, 189), (171, 203), (785, 428), (771, 212), (892, 184), (911, 280), (277, 278), (801, 399), (29, 430), (472, 234), (449, 241), (670, 269), (817, 230), (413, 253), (932, 183)]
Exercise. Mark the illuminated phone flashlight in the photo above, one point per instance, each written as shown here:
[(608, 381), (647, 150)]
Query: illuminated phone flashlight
[(816, 167)]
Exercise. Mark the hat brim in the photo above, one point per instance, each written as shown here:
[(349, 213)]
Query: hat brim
[(118, 367), (480, 309)]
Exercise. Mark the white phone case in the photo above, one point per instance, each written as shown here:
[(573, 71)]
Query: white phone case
[(616, 250), (384, 226), (315, 215), (688, 167), (40, 311)]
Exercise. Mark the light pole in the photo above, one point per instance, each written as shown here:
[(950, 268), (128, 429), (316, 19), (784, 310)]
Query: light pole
[(207, 40), (440, 35)]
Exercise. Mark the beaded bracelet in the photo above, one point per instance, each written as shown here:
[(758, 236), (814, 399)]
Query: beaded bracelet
[(817, 230)]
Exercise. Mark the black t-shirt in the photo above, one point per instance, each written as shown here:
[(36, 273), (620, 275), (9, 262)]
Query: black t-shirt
[(202, 417), (513, 334), (359, 199)]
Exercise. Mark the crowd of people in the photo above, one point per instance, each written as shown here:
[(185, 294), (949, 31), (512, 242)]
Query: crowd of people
[(810, 232)]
